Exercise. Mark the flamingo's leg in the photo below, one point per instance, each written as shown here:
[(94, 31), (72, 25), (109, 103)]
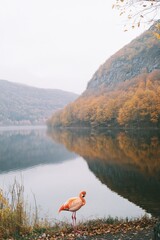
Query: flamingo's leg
[(74, 219)]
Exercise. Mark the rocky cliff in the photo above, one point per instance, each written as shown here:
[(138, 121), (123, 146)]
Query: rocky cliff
[(139, 56)]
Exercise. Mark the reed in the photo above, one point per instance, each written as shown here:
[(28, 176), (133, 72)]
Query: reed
[(16, 218)]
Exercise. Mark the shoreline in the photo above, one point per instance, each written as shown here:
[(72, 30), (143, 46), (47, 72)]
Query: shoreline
[(25, 127), (109, 229)]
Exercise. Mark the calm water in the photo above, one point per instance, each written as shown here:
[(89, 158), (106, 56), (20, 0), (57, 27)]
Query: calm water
[(120, 171)]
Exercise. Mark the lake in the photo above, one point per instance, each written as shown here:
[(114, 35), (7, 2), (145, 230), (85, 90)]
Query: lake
[(119, 170)]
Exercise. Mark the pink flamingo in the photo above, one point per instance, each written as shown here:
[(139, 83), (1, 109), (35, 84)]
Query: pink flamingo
[(73, 204)]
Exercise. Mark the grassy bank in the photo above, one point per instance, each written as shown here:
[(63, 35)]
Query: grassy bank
[(16, 222)]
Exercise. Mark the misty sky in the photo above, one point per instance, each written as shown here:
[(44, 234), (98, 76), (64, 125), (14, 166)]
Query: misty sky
[(58, 44)]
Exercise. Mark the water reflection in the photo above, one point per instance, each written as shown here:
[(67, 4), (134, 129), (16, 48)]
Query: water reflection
[(26, 148), (127, 162)]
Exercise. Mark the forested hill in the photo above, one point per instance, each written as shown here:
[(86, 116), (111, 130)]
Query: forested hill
[(124, 91), (25, 105)]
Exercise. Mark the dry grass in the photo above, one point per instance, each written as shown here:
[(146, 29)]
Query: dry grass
[(15, 216)]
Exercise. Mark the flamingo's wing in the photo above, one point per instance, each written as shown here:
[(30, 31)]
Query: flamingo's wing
[(75, 204), (72, 204)]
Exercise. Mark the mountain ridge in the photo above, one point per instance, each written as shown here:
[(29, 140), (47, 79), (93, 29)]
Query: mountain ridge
[(21, 104)]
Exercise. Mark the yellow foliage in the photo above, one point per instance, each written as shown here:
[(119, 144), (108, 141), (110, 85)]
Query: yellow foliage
[(133, 101), (157, 35), (141, 153)]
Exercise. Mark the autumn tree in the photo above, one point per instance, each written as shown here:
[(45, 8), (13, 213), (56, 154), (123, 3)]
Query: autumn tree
[(139, 11)]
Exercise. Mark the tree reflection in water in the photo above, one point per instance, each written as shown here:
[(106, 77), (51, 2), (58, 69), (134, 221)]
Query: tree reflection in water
[(127, 162)]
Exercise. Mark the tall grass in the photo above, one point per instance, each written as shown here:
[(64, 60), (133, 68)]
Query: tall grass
[(19, 221), (15, 218)]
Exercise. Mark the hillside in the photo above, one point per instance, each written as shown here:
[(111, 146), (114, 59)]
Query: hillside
[(25, 105), (123, 92)]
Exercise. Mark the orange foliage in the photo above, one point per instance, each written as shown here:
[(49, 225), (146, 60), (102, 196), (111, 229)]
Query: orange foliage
[(129, 150), (135, 101)]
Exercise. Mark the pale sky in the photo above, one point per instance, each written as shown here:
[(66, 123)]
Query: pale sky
[(58, 44)]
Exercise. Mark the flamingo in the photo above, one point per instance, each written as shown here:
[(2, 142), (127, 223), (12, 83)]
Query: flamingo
[(73, 204)]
